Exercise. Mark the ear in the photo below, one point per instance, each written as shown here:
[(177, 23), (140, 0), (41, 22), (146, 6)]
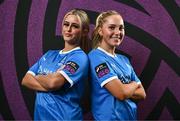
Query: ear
[(100, 31)]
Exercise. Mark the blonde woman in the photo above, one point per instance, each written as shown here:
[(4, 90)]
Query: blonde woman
[(113, 80), (59, 75)]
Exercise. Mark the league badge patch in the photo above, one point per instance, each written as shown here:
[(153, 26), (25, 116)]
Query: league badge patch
[(71, 66), (102, 70)]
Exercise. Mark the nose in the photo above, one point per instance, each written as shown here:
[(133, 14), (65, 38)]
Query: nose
[(117, 31), (69, 28)]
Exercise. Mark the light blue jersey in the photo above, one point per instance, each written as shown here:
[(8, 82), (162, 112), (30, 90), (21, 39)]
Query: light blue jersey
[(63, 104), (104, 68)]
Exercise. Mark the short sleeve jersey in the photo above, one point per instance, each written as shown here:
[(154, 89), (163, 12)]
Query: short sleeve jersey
[(62, 104), (104, 68)]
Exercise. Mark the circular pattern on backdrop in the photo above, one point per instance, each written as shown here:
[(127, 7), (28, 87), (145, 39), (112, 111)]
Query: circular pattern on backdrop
[(152, 43)]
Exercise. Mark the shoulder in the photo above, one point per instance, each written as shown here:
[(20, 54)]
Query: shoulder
[(123, 57), (123, 54), (95, 54), (92, 52), (50, 53), (96, 57), (79, 56)]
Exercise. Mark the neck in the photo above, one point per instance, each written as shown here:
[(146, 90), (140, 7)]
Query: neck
[(107, 48), (69, 47)]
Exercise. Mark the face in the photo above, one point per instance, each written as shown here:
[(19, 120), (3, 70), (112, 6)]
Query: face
[(112, 31), (71, 29)]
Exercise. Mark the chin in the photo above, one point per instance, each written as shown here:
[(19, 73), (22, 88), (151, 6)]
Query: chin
[(116, 45), (65, 39)]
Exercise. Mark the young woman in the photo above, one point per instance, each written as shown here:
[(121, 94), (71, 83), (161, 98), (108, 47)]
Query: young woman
[(114, 82), (59, 75)]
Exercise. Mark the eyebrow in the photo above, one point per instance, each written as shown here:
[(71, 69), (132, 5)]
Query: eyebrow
[(72, 23), (116, 24)]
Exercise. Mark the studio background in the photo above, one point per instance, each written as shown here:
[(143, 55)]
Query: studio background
[(28, 28)]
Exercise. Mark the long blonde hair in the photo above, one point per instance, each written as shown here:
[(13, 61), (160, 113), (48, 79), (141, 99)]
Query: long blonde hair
[(96, 38), (85, 43)]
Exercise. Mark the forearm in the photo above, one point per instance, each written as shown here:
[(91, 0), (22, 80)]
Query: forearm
[(139, 94), (121, 91), (44, 80), (51, 81), (129, 89), (30, 82)]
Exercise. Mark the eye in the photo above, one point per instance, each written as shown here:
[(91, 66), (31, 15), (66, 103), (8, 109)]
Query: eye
[(66, 24), (121, 27), (111, 27), (75, 26)]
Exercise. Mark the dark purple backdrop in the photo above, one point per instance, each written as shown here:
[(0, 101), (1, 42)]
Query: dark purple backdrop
[(28, 28)]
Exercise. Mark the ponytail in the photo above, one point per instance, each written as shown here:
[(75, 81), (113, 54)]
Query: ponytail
[(85, 42)]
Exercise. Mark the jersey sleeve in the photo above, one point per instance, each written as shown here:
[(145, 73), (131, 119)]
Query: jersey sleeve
[(134, 77), (101, 70), (35, 68), (75, 68)]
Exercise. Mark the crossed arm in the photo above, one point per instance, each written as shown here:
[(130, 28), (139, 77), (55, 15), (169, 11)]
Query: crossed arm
[(43, 82), (124, 91), (139, 93)]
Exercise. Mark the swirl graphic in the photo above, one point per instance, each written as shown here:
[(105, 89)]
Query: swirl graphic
[(31, 27)]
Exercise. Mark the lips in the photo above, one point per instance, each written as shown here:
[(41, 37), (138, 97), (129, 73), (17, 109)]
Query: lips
[(116, 37), (68, 35)]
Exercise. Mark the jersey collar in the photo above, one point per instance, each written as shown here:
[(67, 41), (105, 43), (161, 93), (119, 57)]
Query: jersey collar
[(101, 49), (61, 51)]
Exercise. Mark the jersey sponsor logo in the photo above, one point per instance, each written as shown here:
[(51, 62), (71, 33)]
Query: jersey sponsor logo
[(44, 71), (71, 66), (102, 70)]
